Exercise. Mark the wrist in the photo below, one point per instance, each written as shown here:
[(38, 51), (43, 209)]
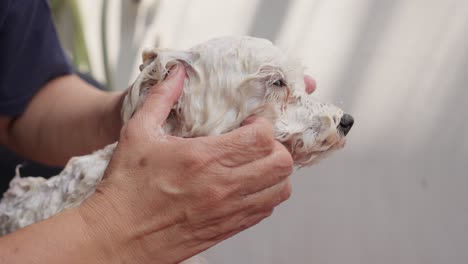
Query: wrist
[(124, 235), (100, 230), (94, 237), (63, 238), (108, 229)]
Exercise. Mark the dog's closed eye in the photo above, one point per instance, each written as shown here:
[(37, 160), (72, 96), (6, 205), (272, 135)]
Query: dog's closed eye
[(279, 83)]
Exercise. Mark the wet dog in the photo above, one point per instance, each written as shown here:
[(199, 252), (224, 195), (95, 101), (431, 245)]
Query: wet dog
[(229, 79)]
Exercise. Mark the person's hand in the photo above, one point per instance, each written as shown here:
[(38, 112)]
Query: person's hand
[(165, 199), (310, 84)]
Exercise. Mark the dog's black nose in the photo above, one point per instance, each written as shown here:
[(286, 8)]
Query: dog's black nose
[(346, 123)]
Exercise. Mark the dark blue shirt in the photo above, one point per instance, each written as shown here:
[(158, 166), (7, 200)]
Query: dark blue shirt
[(30, 53)]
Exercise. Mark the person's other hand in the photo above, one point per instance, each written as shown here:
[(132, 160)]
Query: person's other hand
[(165, 199), (310, 84)]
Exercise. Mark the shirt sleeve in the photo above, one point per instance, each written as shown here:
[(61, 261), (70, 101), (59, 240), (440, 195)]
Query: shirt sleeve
[(30, 53)]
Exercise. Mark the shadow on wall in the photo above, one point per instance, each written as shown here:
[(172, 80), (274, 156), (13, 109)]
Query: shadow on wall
[(269, 18)]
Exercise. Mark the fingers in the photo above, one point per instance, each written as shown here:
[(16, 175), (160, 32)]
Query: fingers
[(162, 97), (255, 208), (266, 172), (310, 84), (252, 141), (226, 227), (241, 222), (250, 158), (268, 198)]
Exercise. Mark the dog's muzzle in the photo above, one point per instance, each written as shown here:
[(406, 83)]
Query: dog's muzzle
[(346, 123)]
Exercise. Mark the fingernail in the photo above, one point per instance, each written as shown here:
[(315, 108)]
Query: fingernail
[(249, 120), (173, 70), (310, 84)]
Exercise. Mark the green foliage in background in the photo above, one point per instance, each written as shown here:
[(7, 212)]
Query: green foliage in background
[(80, 51)]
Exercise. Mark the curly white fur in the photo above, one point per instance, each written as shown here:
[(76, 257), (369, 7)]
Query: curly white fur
[(229, 79)]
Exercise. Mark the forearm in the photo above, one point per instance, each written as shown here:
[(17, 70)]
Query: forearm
[(61, 239), (66, 118)]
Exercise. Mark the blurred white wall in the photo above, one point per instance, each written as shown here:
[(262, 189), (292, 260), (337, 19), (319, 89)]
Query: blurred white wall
[(398, 193)]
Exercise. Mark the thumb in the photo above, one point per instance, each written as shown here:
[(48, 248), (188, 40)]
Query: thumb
[(162, 97)]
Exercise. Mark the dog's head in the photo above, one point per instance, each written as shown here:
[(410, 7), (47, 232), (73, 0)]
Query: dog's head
[(232, 78)]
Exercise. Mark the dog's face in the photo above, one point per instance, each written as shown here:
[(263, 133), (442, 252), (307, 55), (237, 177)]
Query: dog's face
[(232, 78)]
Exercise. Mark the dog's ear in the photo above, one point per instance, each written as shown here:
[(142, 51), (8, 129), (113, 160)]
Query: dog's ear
[(147, 57), (155, 67), (167, 57)]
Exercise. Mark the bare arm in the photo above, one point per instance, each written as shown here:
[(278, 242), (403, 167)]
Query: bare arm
[(67, 117), (61, 239), (164, 199)]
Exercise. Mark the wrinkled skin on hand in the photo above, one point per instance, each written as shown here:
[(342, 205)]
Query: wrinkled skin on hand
[(164, 198), (175, 197)]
